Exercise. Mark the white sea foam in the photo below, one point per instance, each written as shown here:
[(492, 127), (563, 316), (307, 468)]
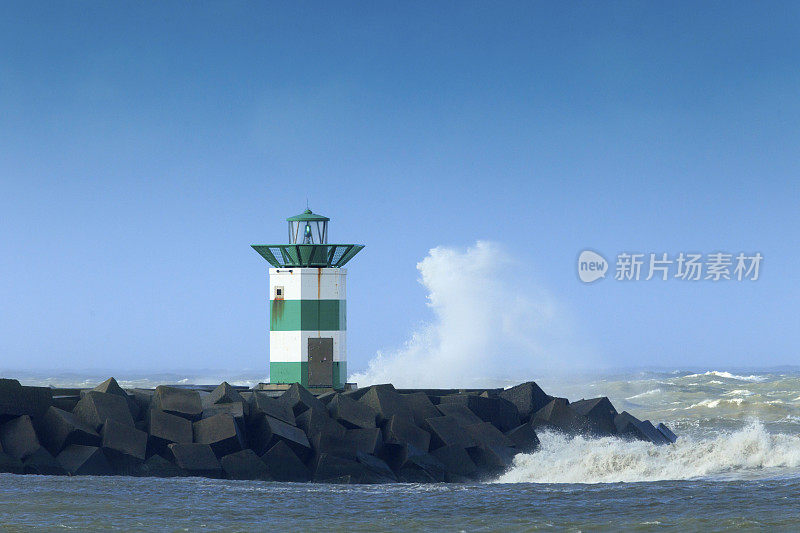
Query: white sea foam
[(747, 453), (711, 404), (643, 394), (728, 375), (739, 392)]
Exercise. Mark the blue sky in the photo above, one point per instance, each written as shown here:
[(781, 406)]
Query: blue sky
[(144, 147)]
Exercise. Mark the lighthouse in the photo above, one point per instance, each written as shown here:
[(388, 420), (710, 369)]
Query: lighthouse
[(308, 304)]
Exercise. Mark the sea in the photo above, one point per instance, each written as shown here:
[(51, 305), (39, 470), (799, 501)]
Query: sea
[(736, 465)]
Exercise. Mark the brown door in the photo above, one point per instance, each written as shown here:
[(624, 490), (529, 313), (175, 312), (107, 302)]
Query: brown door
[(320, 362)]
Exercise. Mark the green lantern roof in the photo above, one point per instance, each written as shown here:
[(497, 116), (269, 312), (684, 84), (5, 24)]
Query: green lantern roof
[(308, 255), (308, 245), (308, 216)]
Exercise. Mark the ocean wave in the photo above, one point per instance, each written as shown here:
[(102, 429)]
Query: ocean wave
[(728, 375), (642, 394), (751, 452), (739, 392), (711, 404)]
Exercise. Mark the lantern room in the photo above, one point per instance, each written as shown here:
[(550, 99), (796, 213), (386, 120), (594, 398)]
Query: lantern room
[(308, 228)]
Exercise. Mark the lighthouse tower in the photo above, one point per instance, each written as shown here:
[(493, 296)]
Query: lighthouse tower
[(307, 304)]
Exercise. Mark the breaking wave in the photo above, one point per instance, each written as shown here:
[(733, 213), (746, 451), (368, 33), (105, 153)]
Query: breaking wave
[(751, 452), (728, 375), (711, 404), (643, 394)]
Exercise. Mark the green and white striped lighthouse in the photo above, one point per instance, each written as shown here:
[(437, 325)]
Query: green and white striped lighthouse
[(307, 304)]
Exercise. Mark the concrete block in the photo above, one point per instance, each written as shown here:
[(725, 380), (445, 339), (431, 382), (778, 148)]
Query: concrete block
[(11, 401), (143, 399), (327, 397), (656, 437), (157, 466), (221, 432), (18, 437), (559, 416), (66, 402), (501, 413), (600, 413), (16, 400), (39, 400), (224, 393), (460, 412), (124, 446), (527, 398), (316, 420), (244, 465), (299, 399), (488, 435), (340, 446), (43, 463), (262, 404), (422, 468), (491, 461), (350, 413), (356, 394), (421, 407), (348, 446), (165, 429), (668, 434), (10, 465), (386, 402), (238, 410), (378, 466), (97, 407), (524, 438), (80, 460), (185, 403), (58, 429), (395, 455), (110, 386), (196, 459), (456, 461), (284, 465), (411, 464), (446, 431), (264, 432), (367, 440), (400, 430), (631, 427)]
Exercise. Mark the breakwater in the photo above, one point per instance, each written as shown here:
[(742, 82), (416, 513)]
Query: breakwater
[(377, 434)]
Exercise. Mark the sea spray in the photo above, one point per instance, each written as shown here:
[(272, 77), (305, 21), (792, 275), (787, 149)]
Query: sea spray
[(490, 323), (751, 452)]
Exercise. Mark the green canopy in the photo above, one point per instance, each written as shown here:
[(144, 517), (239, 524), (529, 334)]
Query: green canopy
[(308, 216)]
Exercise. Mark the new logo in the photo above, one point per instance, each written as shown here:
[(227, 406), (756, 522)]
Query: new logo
[(591, 266)]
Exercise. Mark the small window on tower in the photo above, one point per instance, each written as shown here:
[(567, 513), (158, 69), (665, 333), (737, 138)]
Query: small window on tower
[(279, 293)]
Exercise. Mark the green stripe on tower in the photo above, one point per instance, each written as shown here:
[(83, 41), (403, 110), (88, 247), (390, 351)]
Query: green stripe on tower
[(307, 315), (288, 373)]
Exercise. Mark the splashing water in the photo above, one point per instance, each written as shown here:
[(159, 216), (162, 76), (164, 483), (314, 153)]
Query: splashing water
[(490, 322), (751, 452)]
